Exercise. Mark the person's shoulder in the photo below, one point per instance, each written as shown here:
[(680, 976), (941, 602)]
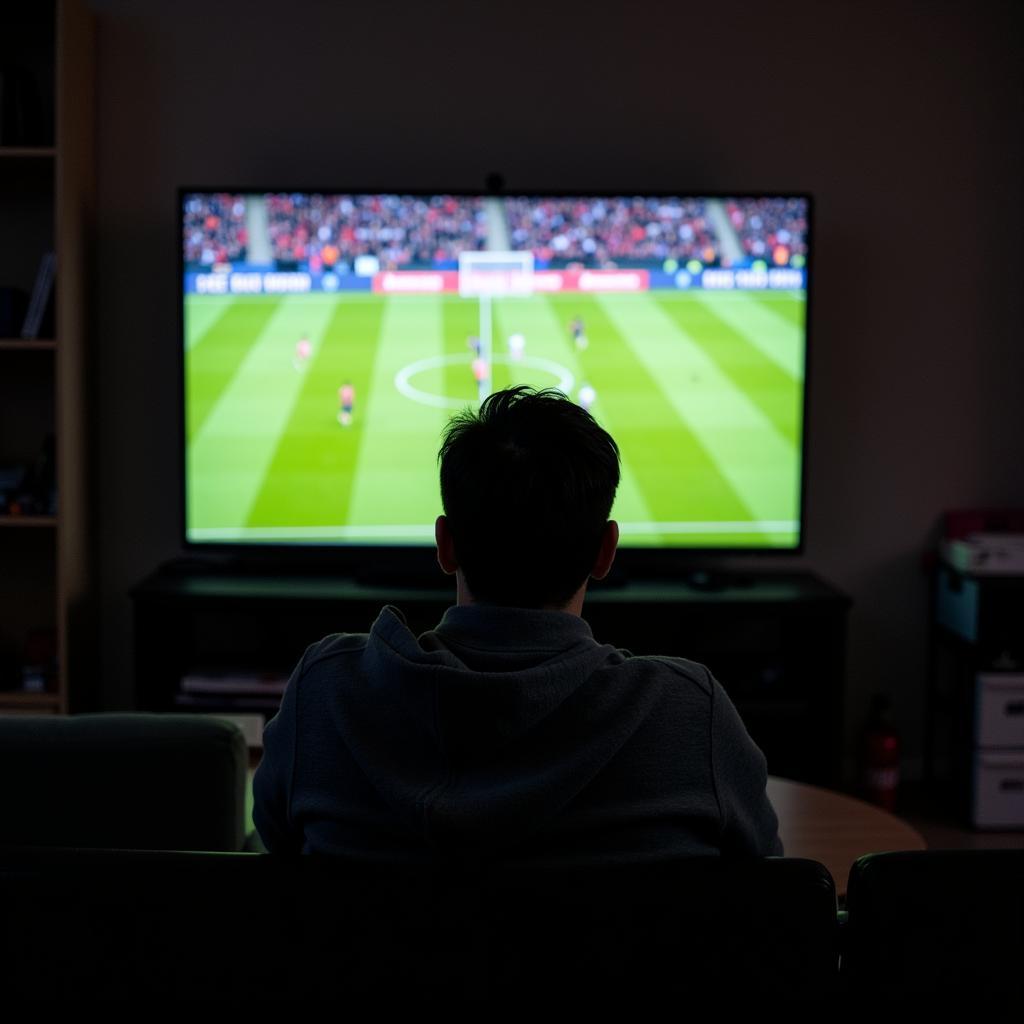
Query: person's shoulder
[(332, 647), (389, 628), (672, 670)]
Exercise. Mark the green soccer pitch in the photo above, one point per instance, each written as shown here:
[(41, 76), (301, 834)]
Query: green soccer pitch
[(703, 391)]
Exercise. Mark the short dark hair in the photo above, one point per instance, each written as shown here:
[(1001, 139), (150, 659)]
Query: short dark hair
[(527, 485)]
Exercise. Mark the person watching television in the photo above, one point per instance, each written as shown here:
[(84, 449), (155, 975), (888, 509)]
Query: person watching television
[(509, 733)]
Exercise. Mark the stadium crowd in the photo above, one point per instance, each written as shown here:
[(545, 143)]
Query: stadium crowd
[(770, 229), (214, 228), (333, 230), (613, 231)]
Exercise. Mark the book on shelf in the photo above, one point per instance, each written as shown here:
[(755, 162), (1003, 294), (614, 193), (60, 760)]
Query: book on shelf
[(40, 304)]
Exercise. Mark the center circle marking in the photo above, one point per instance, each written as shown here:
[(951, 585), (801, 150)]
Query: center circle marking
[(560, 373)]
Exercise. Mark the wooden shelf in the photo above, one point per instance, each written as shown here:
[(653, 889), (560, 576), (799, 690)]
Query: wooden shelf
[(47, 194), (27, 152), (19, 701), (22, 345)]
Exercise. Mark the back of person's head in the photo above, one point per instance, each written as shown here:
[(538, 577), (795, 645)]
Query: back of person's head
[(527, 485)]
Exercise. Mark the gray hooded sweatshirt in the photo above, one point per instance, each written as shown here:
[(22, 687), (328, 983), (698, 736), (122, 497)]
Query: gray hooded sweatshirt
[(507, 734)]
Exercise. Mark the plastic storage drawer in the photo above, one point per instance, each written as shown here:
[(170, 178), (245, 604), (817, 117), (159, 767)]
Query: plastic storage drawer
[(998, 790), (999, 711)]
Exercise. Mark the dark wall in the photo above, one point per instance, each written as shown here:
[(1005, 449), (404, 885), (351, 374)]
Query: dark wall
[(901, 118)]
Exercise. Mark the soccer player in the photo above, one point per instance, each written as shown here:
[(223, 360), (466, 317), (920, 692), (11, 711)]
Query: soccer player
[(579, 335), (586, 396), (346, 400), (482, 376), (303, 350), (516, 345)]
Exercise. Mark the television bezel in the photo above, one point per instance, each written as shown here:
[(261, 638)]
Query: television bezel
[(416, 562)]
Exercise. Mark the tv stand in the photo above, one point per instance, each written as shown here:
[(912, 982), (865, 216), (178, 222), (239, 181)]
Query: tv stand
[(716, 580), (684, 572), (776, 641), (423, 578)]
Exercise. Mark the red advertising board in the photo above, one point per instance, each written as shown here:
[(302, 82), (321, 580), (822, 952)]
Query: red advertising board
[(416, 282), (439, 282)]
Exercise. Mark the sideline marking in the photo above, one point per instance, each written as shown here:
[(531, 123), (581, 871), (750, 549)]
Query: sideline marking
[(425, 531), (561, 373)]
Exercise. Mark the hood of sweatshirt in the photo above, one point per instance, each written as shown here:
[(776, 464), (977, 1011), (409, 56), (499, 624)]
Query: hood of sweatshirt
[(480, 731)]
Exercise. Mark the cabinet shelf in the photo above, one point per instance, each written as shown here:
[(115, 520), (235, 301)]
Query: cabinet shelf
[(27, 152), (23, 345), (15, 700)]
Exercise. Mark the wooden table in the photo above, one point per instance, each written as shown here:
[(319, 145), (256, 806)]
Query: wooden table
[(819, 824), (835, 829)]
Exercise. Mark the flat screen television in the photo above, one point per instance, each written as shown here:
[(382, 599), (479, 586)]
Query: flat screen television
[(327, 336)]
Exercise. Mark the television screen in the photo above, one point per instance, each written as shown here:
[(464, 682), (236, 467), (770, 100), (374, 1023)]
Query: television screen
[(329, 336)]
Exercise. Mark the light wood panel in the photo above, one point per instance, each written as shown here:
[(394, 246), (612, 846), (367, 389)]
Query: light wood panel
[(835, 829), (75, 228)]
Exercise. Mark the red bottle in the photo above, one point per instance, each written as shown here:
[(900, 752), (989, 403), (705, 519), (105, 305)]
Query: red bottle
[(881, 755)]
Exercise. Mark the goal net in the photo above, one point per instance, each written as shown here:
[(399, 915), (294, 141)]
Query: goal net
[(493, 274)]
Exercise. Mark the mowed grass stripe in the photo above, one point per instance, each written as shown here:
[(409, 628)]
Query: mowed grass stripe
[(310, 476), (676, 474), (767, 327), (201, 313), (791, 306), (461, 321), (547, 335), (725, 332), (396, 472), (544, 338), (229, 456), (213, 361), (761, 465)]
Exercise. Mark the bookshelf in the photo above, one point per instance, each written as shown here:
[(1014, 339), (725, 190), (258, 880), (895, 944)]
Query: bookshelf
[(47, 188)]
